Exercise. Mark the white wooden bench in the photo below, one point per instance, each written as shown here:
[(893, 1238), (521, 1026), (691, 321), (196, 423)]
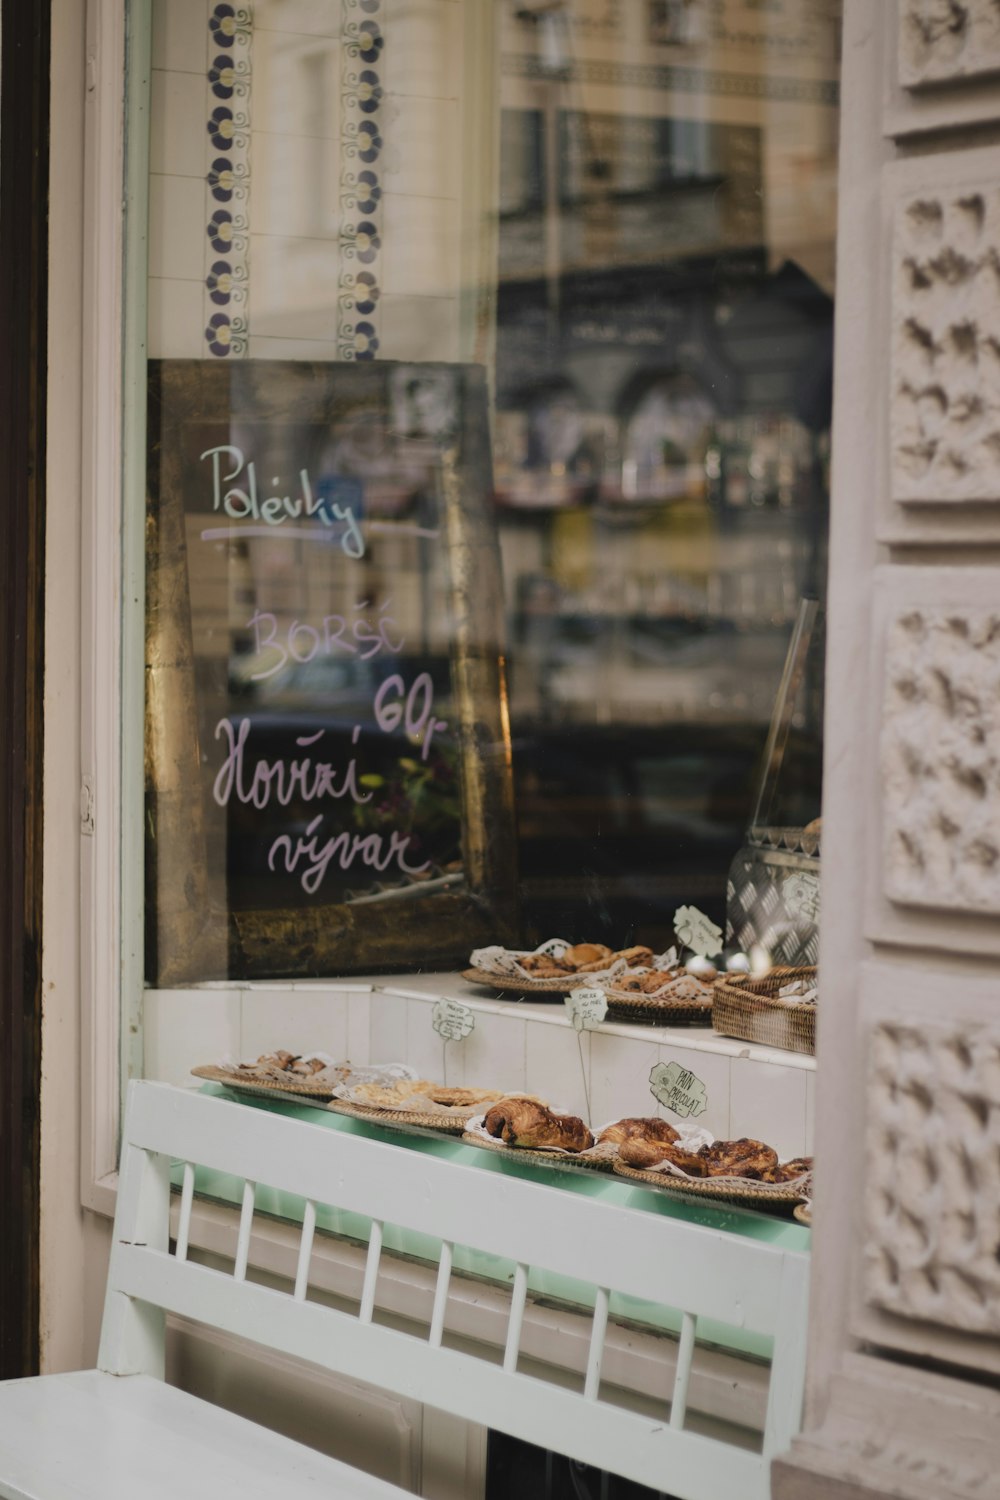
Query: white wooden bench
[(119, 1431)]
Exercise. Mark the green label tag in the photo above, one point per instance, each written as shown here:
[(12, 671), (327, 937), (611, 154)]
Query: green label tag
[(677, 1089), (587, 1008), (452, 1020)]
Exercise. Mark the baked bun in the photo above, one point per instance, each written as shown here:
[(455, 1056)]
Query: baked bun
[(788, 1171), (742, 1158), (544, 966), (653, 1129), (639, 957), (584, 956)]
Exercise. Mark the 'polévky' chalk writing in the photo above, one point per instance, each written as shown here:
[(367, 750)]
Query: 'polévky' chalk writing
[(274, 510)]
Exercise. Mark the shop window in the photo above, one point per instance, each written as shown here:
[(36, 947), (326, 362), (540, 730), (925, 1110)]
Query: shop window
[(488, 411)]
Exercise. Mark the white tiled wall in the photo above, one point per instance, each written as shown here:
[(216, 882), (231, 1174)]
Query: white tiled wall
[(768, 1102), (295, 107), (749, 1090)]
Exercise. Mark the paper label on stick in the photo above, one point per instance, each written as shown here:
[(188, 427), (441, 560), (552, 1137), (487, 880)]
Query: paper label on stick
[(696, 931), (587, 1008), (677, 1089), (452, 1020), (801, 893)]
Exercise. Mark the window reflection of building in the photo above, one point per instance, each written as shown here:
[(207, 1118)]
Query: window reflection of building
[(666, 437), (663, 356)]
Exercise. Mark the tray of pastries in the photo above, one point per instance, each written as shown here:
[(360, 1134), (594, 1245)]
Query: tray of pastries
[(412, 1103), (556, 967), (521, 1125), (310, 1076), (668, 994), (745, 1172)]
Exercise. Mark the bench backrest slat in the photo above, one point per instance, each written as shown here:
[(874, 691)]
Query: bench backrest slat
[(694, 1270)]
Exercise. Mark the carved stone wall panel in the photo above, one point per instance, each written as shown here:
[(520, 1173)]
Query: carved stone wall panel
[(941, 758), (945, 416), (930, 844), (933, 1181), (946, 41)]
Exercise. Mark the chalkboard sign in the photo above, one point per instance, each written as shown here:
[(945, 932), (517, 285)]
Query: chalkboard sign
[(327, 750)]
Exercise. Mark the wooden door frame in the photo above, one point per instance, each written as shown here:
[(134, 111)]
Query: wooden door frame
[(24, 114)]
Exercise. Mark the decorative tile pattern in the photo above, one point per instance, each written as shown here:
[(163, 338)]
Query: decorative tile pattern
[(228, 179), (933, 1185), (946, 345), (362, 95), (947, 40), (941, 759)]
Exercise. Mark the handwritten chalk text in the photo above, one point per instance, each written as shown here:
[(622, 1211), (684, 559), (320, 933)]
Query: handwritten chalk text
[(245, 504), (372, 849), (301, 641), (280, 780)]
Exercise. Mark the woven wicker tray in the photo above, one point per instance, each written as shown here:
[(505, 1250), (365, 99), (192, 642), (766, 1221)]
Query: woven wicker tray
[(404, 1119), (626, 1005), (512, 986), (752, 1010), (570, 1160), (303, 1091), (764, 1195)]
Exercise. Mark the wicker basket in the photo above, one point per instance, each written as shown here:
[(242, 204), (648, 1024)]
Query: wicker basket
[(752, 1010)]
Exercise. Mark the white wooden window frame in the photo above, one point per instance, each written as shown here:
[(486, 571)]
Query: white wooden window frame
[(104, 618)]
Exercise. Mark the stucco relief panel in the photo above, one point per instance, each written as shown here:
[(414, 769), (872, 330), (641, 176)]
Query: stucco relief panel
[(945, 432), (947, 40), (933, 1175), (941, 759)]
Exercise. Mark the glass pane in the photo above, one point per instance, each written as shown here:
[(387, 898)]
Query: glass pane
[(488, 433)]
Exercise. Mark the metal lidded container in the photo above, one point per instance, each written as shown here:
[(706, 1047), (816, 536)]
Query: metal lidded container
[(773, 891)]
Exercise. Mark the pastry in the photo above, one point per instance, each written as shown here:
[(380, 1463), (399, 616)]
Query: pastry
[(652, 1129), (454, 1098), (788, 1171), (307, 1066), (544, 966), (584, 957), (742, 1158), (645, 1154), (527, 1123), (389, 1096), (636, 958), (280, 1060)]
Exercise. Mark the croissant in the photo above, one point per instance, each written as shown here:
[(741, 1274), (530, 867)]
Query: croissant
[(742, 1158), (640, 1153), (523, 1122), (652, 1129)]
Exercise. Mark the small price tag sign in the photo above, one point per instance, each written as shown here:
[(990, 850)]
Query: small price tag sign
[(587, 1008), (696, 931), (452, 1020), (677, 1089), (801, 893)]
